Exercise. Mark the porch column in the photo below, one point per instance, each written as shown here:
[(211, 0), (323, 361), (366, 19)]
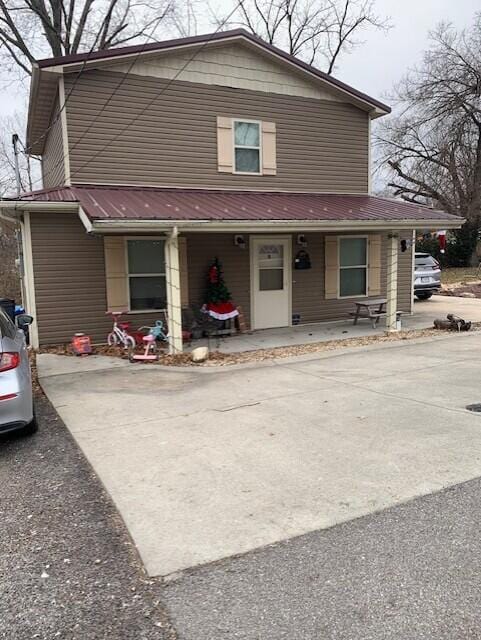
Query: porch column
[(391, 281), (174, 310)]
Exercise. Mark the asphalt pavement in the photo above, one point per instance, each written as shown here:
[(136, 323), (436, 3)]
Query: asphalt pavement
[(68, 568), (412, 572)]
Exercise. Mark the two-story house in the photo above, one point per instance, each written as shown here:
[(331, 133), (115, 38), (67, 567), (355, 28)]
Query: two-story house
[(158, 158)]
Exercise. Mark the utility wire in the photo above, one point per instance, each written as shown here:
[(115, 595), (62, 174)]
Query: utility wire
[(63, 107), (122, 131), (238, 4), (74, 84)]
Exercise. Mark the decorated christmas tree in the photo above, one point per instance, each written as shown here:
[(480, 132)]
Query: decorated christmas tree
[(219, 300), (216, 287)]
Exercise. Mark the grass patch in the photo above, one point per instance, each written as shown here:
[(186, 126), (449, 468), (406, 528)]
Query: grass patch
[(464, 275)]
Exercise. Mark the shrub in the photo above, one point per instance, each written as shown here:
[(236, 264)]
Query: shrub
[(9, 276), (460, 247)]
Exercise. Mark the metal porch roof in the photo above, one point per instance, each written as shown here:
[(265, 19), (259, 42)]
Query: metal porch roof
[(150, 203)]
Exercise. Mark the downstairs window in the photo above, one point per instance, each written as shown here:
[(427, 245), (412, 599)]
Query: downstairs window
[(146, 274), (353, 267)]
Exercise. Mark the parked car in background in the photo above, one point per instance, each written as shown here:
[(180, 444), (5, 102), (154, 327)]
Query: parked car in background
[(427, 276), (16, 397)]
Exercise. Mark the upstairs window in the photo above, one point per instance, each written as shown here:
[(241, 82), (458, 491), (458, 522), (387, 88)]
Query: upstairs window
[(146, 274), (352, 267), (247, 147)]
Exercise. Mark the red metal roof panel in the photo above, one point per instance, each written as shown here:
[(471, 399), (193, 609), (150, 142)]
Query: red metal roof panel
[(150, 203)]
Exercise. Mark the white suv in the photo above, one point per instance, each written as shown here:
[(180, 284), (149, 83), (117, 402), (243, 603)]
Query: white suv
[(427, 276)]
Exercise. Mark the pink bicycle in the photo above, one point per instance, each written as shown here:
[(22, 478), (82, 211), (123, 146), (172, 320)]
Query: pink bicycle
[(120, 332)]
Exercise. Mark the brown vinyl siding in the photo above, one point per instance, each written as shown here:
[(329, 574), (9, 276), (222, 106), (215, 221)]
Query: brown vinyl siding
[(53, 165), (201, 251), (322, 145), (69, 274), (307, 285)]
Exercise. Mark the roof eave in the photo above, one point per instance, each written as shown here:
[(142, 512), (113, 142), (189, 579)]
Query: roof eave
[(250, 226), (34, 82), (15, 207)]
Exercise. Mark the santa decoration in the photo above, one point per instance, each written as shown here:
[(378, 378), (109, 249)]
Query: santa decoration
[(442, 240), (219, 301)]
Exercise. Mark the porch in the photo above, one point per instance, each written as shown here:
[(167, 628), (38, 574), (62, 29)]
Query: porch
[(281, 303), (287, 258), (424, 312)]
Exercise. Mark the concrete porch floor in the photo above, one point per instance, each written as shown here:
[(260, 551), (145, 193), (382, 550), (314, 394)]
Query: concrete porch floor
[(424, 314)]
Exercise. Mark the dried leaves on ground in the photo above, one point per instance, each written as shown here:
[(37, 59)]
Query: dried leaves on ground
[(218, 358), (462, 289)]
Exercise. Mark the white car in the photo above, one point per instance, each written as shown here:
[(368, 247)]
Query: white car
[(16, 397)]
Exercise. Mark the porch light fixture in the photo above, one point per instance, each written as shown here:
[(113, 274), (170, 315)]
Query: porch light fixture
[(302, 240), (239, 241)]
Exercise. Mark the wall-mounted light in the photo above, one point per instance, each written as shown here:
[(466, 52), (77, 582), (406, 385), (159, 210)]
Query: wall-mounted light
[(302, 240), (239, 241)]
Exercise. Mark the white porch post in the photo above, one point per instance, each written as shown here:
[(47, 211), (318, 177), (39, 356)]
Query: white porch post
[(391, 284), (174, 312)]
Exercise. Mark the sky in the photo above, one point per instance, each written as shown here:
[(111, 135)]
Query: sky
[(383, 58)]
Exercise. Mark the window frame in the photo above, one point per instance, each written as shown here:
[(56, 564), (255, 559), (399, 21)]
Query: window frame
[(352, 266), (128, 275), (268, 268), (234, 147)]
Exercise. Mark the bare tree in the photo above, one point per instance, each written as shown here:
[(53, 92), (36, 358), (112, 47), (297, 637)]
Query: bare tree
[(317, 31), (29, 172), (432, 147), (30, 29), (185, 17), (28, 165)]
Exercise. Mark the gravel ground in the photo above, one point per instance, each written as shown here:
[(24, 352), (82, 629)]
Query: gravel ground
[(67, 566), (411, 572)]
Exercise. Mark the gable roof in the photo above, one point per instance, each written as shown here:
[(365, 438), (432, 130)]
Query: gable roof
[(169, 206), (221, 36), (46, 72)]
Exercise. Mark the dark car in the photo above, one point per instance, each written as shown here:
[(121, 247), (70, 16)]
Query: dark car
[(427, 276)]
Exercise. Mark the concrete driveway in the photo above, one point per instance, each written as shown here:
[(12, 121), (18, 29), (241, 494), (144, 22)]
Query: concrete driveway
[(207, 463)]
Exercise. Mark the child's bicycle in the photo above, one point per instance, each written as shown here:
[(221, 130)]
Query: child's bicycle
[(119, 334)]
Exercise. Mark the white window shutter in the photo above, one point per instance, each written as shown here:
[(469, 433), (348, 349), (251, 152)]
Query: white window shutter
[(116, 273), (225, 145), (374, 270), (331, 262), (269, 161)]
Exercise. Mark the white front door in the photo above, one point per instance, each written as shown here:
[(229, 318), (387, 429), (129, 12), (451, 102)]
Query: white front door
[(270, 281)]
